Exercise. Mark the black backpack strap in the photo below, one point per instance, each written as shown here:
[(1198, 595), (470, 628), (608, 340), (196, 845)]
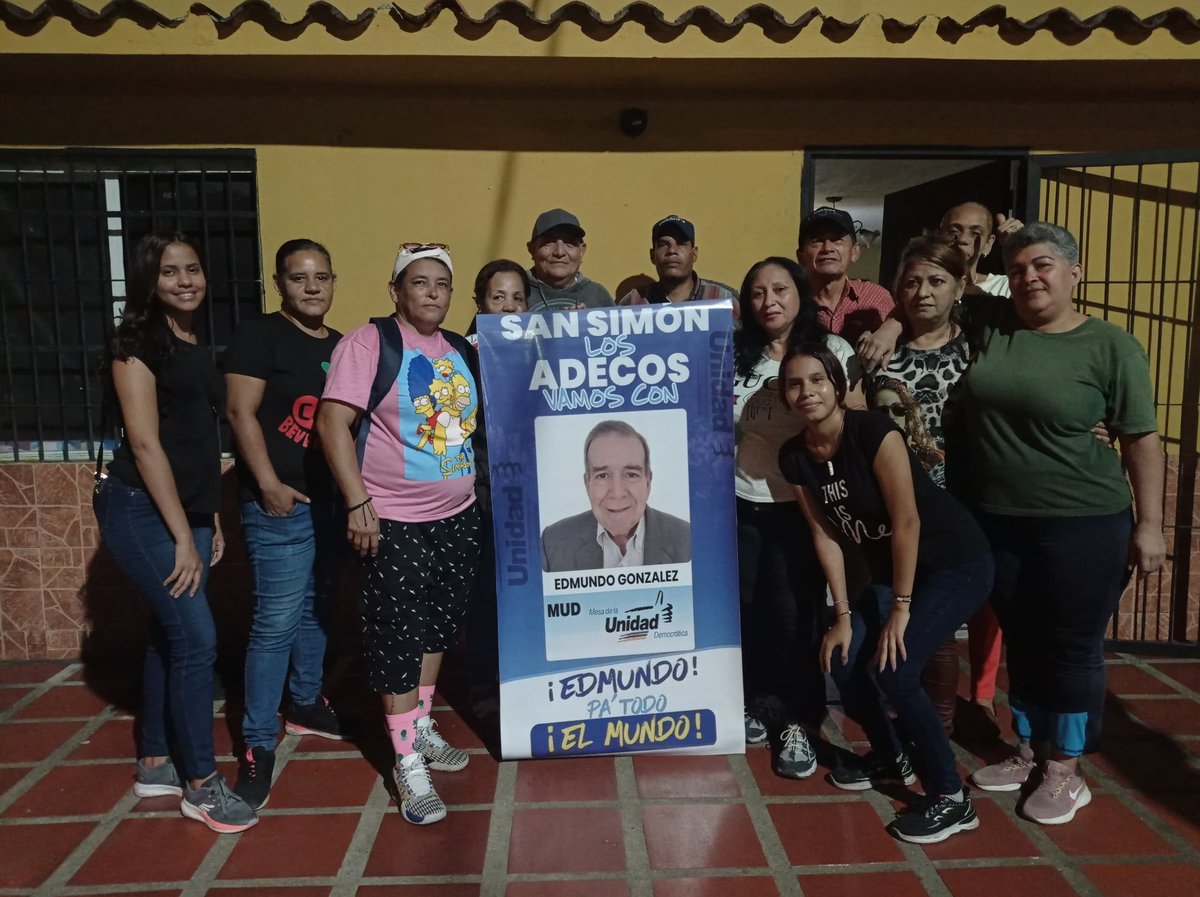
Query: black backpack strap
[(391, 354)]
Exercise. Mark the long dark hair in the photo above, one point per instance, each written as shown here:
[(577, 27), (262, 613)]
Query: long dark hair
[(751, 340), (144, 331)]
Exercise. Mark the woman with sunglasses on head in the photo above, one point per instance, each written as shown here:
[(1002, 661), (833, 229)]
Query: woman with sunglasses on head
[(779, 578), (930, 358), (409, 390), (157, 511), (930, 570)]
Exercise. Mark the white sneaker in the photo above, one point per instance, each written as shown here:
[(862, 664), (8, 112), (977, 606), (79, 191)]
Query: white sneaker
[(419, 803), (437, 752)]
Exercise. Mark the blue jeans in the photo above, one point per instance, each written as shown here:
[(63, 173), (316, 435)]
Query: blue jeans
[(177, 682), (942, 601), (297, 561)]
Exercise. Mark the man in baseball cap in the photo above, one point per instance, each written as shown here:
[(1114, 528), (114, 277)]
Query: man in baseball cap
[(673, 252), (557, 249), (828, 247)]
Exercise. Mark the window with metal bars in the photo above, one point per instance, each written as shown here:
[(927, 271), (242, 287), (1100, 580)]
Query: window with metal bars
[(69, 221)]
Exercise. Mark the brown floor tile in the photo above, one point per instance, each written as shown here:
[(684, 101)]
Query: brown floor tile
[(668, 777), (848, 727), (454, 846), (729, 886), (566, 840), (113, 740), (564, 887), (170, 893), (1172, 716), (1159, 880), (314, 744), (577, 778), (223, 738), (464, 890), (64, 701), (292, 847), (1181, 812), (474, 785), (863, 884), (33, 742), (10, 694), (1186, 673), (1129, 680), (323, 783), (1105, 827), (41, 849), (140, 850), (701, 836), (1149, 766), (35, 673), (771, 785), (9, 776), (73, 791), (455, 730), (997, 836), (847, 833), (988, 882)]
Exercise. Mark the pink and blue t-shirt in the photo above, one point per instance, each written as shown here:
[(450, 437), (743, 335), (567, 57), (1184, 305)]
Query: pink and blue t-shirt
[(418, 464)]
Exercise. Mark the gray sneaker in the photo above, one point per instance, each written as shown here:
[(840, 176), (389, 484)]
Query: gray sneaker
[(1007, 775), (419, 803), (214, 804), (1060, 793), (161, 781), (434, 748), (796, 758), (756, 729)]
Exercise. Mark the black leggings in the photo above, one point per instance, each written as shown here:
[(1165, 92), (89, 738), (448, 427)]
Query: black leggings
[(413, 595), (783, 595), (1058, 582)]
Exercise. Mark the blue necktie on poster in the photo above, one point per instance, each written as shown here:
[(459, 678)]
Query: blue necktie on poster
[(610, 443)]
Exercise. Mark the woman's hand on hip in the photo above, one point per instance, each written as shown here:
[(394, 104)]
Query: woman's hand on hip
[(891, 640), (185, 578), (1147, 548)]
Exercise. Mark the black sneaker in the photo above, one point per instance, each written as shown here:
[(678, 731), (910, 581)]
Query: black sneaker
[(935, 820), (255, 769), (317, 718), (872, 770)]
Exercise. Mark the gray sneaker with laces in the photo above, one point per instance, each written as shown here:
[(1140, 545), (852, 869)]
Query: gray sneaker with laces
[(215, 804), (756, 729), (437, 752), (419, 803), (161, 781), (796, 758)]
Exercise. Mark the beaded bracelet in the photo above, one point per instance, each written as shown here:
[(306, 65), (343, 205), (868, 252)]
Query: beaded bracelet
[(902, 599)]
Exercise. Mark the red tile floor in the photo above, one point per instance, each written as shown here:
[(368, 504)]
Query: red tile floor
[(643, 826)]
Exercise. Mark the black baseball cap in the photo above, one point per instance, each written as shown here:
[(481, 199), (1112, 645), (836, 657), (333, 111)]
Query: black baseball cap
[(555, 218), (827, 217), (673, 224)]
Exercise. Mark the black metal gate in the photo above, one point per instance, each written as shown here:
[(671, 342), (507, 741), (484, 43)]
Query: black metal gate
[(1137, 219)]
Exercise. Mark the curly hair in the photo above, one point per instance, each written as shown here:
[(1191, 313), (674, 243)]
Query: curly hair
[(144, 331), (923, 445), (750, 342)]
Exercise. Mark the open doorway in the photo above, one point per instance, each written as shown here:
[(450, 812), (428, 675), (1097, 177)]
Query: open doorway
[(895, 194)]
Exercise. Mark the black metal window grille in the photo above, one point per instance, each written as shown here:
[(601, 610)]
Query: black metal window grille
[(69, 221)]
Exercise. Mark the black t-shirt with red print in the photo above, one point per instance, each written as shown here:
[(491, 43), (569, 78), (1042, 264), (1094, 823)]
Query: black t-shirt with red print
[(293, 365)]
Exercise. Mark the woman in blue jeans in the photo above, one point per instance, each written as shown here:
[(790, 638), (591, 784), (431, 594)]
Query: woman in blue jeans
[(157, 511), (275, 372), (930, 566)]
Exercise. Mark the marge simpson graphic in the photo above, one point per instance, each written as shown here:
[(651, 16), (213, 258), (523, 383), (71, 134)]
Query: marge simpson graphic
[(440, 395), (639, 621)]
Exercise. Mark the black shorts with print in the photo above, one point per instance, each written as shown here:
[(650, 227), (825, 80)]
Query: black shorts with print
[(413, 594)]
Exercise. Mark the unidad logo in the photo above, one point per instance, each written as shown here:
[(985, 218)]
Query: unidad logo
[(636, 623)]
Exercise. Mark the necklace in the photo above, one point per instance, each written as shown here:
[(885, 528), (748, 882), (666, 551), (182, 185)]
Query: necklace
[(836, 442)]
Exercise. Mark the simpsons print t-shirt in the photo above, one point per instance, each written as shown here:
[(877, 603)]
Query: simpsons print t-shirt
[(419, 464), (293, 365)]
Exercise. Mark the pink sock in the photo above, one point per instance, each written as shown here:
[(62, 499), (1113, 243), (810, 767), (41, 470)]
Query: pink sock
[(402, 729), (425, 699)]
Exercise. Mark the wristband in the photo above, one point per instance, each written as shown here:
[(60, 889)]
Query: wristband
[(902, 599), (361, 504)]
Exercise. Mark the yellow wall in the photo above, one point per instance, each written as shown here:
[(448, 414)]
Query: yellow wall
[(363, 202)]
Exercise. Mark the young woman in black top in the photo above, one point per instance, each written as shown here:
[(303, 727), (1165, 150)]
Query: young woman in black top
[(930, 568), (157, 511)]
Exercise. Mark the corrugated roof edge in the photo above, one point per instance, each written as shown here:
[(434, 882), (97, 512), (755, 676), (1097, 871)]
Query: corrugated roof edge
[(1063, 24)]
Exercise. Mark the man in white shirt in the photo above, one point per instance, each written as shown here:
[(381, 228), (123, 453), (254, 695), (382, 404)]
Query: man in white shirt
[(620, 530)]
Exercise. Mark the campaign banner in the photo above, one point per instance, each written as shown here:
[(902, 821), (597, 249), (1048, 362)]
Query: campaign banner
[(610, 446)]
